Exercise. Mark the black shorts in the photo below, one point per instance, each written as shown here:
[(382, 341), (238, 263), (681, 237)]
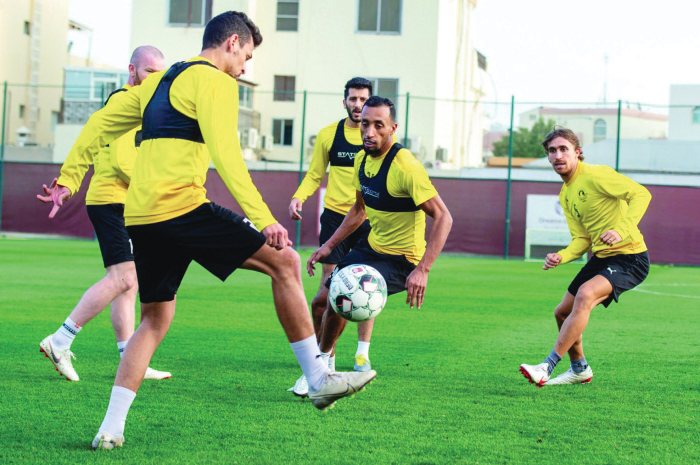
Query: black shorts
[(624, 272), (108, 221), (211, 235), (330, 222), (394, 268)]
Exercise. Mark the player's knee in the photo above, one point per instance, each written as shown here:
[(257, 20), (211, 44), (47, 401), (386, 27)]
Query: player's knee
[(318, 305), (287, 264), (561, 312), (122, 278), (586, 295)]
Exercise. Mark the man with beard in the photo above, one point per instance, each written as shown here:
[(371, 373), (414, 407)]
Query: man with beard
[(105, 206), (602, 209), (393, 191), (336, 144)]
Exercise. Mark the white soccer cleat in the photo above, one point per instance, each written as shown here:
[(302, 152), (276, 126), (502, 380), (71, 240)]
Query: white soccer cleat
[(571, 377), (155, 374), (338, 385), (105, 441), (59, 358), (362, 363), (536, 374), (301, 387)]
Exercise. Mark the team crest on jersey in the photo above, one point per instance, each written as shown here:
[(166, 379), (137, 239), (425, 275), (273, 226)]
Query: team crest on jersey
[(582, 195)]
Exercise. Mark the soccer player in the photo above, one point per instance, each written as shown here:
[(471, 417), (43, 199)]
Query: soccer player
[(394, 191), (105, 206), (602, 209), (336, 144), (190, 116)]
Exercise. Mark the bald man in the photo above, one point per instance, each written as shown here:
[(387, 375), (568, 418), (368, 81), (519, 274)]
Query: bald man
[(105, 205)]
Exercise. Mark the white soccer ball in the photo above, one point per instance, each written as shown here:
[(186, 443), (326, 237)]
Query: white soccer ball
[(358, 292)]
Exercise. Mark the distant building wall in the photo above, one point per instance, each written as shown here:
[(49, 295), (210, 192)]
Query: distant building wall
[(684, 119), (477, 207)]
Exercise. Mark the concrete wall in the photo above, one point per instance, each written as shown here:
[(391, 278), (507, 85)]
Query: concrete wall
[(477, 206), (680, 119)]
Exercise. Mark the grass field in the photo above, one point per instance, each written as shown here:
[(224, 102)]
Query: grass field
[(448, 388)]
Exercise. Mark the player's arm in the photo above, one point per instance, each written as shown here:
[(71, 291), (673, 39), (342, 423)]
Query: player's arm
[(122, 155), (122, 114), (417, 281), (313, 178), (355, 217), (217, 114), (637, 197), (580, 242)]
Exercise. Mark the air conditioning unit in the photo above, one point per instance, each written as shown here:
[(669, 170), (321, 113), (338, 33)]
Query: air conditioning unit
[(311, 141), (266, 142), (441, 154), (250, 138), (413, 144)]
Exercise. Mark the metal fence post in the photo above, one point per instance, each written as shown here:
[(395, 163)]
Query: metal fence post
[(2, 146), (510, 165), (619, 122), (297, 238), (405, 134)]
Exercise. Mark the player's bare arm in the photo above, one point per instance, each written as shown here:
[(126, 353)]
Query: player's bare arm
[(56, 194), (355, 217), (417, 281)]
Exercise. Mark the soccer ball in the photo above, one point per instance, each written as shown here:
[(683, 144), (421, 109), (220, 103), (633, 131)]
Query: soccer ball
[(358, 293)]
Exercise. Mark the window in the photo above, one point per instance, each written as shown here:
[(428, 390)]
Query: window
[(284, 88), (189, 12), (245, 96), (282, 130), (600, 129), (379, 16), (288, 15), (388, 88), (696, 115), (21, 111)]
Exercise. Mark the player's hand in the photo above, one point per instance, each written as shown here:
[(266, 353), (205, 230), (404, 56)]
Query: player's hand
[(610, 237), (551, 260), (320, 253), (416, 283), (295, 209), (56, 194), (276, 236)]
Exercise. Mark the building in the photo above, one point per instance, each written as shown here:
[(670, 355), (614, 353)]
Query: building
[(33, 34), (417, 53), (596, 124), (684, 113)]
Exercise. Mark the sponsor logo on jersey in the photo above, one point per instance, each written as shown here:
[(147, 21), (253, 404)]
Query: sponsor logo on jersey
[(350, 155), (370, 192)]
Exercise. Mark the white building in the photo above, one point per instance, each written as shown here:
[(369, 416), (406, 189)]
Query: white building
[(684, 114), (417, 53)]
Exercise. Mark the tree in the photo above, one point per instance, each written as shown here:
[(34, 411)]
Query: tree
[(526, 142)]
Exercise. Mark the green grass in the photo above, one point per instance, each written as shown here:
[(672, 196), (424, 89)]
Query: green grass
[(448, 389)]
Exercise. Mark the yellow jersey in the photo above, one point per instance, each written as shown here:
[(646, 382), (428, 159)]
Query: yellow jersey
[(169, 174), (597, 199), (397, 232)]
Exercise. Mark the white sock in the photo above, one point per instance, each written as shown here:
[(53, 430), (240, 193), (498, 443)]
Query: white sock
[(362, 349), (115, 418), (331, 363), (326, 356), (121, 346), (309, 357), (63, 338)]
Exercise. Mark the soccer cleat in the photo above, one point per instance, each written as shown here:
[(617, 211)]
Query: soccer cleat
[(571, 377), (338, 385), (155, 374), (59, 358), (536, 374), (362, 363), (105, 441), (301, 387)]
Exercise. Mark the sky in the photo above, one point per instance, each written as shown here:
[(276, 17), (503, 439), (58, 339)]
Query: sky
[(537, 50), (554, 50)]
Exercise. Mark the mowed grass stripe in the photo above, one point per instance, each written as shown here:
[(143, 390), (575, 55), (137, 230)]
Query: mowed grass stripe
[(448, 388)]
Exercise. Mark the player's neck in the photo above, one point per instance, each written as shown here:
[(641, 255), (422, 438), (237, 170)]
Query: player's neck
[(351, 124), (216, 56)]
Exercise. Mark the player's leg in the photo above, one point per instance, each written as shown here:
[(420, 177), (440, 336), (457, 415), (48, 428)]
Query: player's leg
[(579, 371), (122, 315), (119, 279), (364, 335)]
